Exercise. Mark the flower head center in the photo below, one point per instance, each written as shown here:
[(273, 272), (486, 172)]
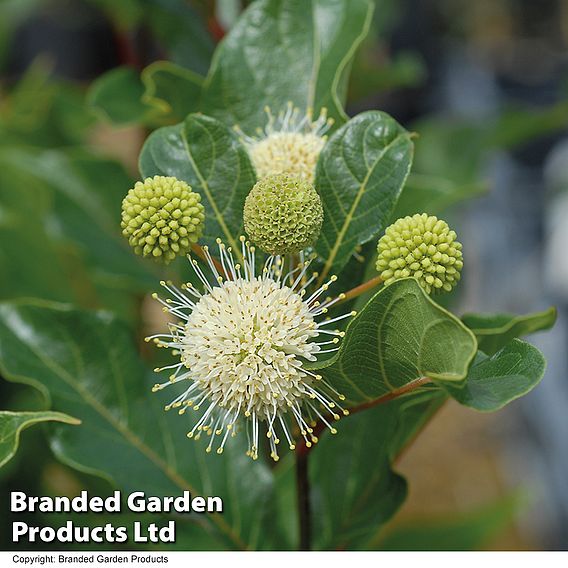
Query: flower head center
[(243, 341), (290, 143), (292, 153)]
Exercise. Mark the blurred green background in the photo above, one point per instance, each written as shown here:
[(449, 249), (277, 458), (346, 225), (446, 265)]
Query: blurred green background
[(484, 83)]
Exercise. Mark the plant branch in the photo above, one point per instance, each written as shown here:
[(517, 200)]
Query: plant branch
[(408, 387), (304, 506), (362, 288)]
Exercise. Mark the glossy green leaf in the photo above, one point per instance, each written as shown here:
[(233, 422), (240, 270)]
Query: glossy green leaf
[(360, 174), (207, 155), (464, 531), (493, 382), (400, 336), (494, 331), (355, 490), (117, 96), (12, 424), (172, 90), (87, 365), (281, 51)]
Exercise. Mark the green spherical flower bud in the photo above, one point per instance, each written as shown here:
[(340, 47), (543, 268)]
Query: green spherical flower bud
[(423, 247), (283, 214), (162, 217)]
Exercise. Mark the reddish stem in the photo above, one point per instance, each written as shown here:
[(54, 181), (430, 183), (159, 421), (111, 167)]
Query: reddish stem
[(408, 387)]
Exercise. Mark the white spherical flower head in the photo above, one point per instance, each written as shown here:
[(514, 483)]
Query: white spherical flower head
[(242, 346), (290, 143)]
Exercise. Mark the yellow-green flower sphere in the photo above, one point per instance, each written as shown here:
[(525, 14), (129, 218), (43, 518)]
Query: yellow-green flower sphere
[(423, 247), (283, 214), (162, 217)]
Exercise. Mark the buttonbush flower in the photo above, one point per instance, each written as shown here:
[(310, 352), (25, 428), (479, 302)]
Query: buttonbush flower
[(283, 214), (162, 217), (423, 247), (242, 345), (289, 143)]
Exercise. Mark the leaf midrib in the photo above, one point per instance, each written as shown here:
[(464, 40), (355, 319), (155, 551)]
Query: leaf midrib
[(205, 187), (349, 218)]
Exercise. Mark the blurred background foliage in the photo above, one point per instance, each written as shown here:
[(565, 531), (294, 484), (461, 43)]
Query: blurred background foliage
[(485, 85)]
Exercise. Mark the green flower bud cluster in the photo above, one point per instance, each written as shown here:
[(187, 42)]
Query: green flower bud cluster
[(162, 217), (423, 247), (283, 214)]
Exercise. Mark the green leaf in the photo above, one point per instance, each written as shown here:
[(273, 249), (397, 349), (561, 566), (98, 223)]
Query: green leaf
[(172, 90), (175, 25), (518, 125), (355, 490), (124, 15), (450, 149), (42, 111), (12, 424), (432, 195), (360, 174), (494, 331), (465, 531), (207, 155), (181, 31), (86, 194), (117, 96), (281, 51), (493, 382), (399, 337), (87, 365), (22, 224)]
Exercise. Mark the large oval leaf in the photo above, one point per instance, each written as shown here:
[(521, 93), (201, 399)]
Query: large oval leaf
[(12, 423), (360, 174), (494, 331), (400, 336), (206, 154), (86, 363), (117, 97), (493, 382), (284, 51)]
